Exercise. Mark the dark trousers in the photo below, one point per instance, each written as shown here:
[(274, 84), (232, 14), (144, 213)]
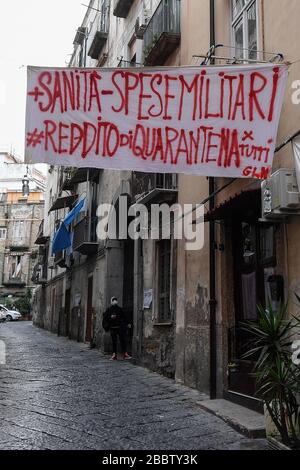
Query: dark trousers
[(121, 332)]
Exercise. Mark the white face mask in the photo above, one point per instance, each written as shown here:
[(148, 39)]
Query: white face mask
[(115, 302)]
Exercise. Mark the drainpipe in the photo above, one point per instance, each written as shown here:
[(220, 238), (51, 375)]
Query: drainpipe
[(212, 253)]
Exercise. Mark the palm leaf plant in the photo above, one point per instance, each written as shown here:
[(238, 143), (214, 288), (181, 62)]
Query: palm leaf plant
[(277, 377)]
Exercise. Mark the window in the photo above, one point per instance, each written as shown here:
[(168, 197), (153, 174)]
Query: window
[(244, 28), (164, 276), (16, 267), (249, 244), (18, 229), (104, 8), (2, 233), (267, 245)]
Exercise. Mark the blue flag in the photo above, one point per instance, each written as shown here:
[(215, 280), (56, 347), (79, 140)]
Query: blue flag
[(74, 212), (61, 240)]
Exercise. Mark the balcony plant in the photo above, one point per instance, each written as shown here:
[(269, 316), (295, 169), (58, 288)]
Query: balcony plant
[(277, 377), (148, 49)]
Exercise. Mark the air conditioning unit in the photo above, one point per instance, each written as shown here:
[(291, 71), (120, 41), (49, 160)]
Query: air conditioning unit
[(51, 262), (280, 195)]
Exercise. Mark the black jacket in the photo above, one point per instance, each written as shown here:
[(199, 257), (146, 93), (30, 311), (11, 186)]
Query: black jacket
[(119, 321)]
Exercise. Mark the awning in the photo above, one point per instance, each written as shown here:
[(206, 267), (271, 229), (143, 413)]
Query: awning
[(248, 199), (63, 202)]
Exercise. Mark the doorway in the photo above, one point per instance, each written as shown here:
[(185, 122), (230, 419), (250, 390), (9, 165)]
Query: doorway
[(89, 312), (254, 260)]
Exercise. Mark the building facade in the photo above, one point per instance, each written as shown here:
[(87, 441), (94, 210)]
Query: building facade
[(244, 262), (112, 35), (190, 328), (20, 217)]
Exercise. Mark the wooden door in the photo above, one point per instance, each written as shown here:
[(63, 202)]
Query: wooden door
[(253, 255)]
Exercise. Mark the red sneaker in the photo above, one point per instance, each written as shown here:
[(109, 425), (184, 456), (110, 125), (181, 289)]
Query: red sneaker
[(127, 357), (114, 357)]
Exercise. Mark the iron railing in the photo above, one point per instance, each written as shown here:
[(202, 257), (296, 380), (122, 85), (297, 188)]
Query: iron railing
[(15, 281), (40, 273), (144, 183), (99, 31), (166, 19), (128, 64)]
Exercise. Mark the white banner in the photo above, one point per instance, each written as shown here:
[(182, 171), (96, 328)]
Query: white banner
[(213, 121)]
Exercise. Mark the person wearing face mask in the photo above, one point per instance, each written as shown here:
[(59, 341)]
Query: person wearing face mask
[(114, 320)]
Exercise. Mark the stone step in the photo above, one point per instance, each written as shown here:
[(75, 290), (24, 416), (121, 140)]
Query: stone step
[(248, 422)]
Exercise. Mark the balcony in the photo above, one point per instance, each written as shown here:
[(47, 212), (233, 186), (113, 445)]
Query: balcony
[(40, 274), (78, 176), (99, 32), (154, 188), (20, 243), (85, 237), (62, 202), (60, 259), (162, 34), (80, 36), (98, 43), (65, 176), (122, 8), (10, 281), (41, 239)]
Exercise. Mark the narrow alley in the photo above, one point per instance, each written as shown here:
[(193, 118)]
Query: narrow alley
[(55, 393)]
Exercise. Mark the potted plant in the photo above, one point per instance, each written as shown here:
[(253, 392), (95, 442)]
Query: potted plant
[(277, 377)]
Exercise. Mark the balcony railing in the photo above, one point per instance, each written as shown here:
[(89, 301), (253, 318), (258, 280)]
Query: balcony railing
[(17, 243), (162, 34), (80, 36), (99, 31), (154, 187), (85, 236), (41, 239), (122, 8), (60, 259), (19, 281), (40, 274), (128, 64), (61, 202), (67, 175), (79, 175)]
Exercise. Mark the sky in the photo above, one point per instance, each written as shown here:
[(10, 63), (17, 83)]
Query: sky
[(32, 32)]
